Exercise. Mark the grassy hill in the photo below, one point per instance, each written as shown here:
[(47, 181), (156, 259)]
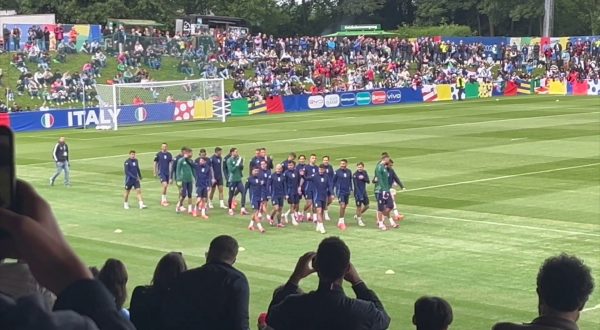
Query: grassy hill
[(74, 63)]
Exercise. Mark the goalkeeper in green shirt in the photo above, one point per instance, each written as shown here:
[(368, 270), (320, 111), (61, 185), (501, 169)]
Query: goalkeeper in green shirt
[(385, 202), (185, 179), (235, 165)]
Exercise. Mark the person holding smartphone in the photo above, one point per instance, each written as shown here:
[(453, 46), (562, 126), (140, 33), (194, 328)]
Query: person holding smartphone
[(61, 158)]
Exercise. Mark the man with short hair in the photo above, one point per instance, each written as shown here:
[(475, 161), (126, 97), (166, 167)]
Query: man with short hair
[(293, 191), (255, 186), (277, 189), (385, 202), (214, 296), (185, 179), (289, 310), (133, 176), (235, 166), (564, 284), (432, 313), (342, 187), (307, 171), (321, 188), (360, 180), (163, 163), (204, 177), (61, 158), (216, 162), (330, 174)]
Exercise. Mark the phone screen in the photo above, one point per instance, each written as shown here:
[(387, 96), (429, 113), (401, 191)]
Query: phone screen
[(6, 170)]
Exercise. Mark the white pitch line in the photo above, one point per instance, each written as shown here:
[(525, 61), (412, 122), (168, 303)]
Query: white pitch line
[(591, 308), (332, 136), (503, 177)]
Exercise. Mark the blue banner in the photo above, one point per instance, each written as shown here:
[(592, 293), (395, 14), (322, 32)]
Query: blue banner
[(146, 113), (56, 119)]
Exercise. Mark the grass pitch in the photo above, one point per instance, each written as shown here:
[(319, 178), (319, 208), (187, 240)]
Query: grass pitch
[(495, 187)]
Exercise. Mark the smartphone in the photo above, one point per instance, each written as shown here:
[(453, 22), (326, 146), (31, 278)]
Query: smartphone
[(7, 169)]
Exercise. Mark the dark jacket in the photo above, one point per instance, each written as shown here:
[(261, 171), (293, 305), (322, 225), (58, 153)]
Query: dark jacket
[(85, 304), (214, 296), (540, 323), (327, 308), (61, 152), (145, 308)]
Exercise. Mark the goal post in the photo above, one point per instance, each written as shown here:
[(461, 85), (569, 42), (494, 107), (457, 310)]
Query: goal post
[(162, 101)]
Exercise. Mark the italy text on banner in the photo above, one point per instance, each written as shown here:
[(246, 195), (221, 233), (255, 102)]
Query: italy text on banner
[(485, 90), (594, 87), (429, 93), (580, 88), (203, 109), (510, 89), (275, 104), (444, 92), (472, 90), (523, 87), (239, 107), (557, 87)]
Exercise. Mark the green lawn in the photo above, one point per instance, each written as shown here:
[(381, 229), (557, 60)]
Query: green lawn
[(495, 187)]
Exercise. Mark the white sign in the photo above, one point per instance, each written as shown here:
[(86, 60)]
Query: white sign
[(316, 102), (332, 101), (87, 118)]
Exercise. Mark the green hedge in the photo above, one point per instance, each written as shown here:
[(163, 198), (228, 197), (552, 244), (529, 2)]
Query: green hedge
[(451, 30)]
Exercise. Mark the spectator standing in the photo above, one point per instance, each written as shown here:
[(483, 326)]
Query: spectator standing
[(16, 34), (6, 38), (114, 276), (146, 301), (214, 296), (564, 285), (291, 311), (61, 158)]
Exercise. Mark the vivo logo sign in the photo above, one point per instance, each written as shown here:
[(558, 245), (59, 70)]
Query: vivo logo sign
[(394, 96), (347, 99)]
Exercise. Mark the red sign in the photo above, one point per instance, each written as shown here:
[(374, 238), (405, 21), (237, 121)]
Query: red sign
[(378, 97)]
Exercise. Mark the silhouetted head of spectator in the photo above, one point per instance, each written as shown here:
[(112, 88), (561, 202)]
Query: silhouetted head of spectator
[(114, 277), (432, 313), (95, 272), (564, 285), (168, 268), (224, 249), (332, 260)]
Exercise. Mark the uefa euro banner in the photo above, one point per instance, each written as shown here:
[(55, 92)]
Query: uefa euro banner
[(594, 87), (485, 90)]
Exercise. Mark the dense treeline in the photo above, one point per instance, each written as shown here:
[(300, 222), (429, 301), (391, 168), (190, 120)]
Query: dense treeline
[(291, 17)]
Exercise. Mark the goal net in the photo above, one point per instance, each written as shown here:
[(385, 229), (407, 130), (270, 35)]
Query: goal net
[(164, 101)]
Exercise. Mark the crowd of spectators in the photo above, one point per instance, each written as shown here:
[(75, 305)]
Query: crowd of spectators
[(52, 289), (262, 65)]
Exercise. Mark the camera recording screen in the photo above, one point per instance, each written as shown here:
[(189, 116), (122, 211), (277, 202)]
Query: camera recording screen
[(6, 159)]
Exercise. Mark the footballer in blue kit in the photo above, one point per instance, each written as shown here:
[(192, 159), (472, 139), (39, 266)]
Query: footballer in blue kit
[(342, 187), (293, 192), (255, 185), (163, 165), (133, 176), (204, 177), (321, 186), (360, 179), (264, 174), (330, 173), (277, 190), (216, 162), (309, 170)]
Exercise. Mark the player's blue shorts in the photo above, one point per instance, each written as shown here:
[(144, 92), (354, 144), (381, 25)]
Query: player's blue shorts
[(293, 199), (219, 181), (256, 202), (164, 177), (264, 196), (132, 183), (384, 201), (278, 201), (186, 189), (361, 200), (202, 192), (308, 194), (320, 204), (344, 198)]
